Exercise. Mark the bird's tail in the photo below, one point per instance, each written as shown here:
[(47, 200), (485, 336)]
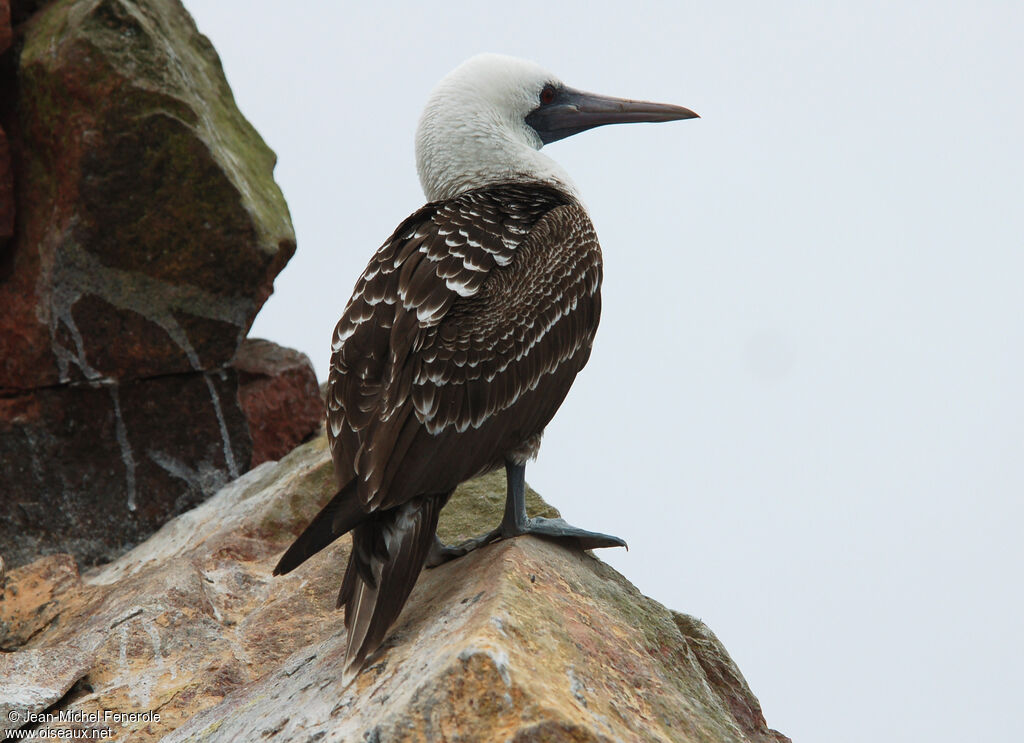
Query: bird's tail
[(341, 514), (388, 552)]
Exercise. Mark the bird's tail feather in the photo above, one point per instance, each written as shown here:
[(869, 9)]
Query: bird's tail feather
[(388, 552), (341, 514)]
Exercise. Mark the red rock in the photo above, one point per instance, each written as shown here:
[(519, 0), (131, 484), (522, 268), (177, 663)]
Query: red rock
[(280, 397), (150, 227)]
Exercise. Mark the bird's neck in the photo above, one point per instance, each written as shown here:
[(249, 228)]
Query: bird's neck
[(468, 155)]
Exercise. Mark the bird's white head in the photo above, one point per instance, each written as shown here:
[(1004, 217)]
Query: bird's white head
[(473, 131), (486, 121)]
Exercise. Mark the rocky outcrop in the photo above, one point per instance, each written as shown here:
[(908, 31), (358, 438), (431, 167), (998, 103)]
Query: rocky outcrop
[(191, 636), (149, 225), (144, 234)]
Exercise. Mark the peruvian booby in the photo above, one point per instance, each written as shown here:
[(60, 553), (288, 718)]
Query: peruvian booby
[(463, 334)]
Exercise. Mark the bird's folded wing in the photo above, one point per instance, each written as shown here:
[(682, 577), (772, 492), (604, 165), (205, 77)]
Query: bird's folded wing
[(462, 337)]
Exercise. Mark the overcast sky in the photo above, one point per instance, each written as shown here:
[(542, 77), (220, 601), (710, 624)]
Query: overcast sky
[(804, 408)]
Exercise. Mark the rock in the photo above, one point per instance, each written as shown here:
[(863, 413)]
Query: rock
[(279, 395), (150, 225), (52, 672), (89, 469), (149, 231), (30, 600), (30, 597), (724, 676), (523, 640)]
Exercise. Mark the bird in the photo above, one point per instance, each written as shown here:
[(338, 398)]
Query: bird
[(463, 335)]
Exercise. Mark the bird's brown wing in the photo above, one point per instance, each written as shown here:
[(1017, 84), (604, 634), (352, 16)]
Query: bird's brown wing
[(493, 373), (461, 339)]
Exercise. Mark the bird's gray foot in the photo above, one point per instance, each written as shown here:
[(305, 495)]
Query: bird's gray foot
[(571, 536), (516, 523)]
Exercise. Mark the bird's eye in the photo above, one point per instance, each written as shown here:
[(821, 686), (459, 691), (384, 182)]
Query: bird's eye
[(547, 95)]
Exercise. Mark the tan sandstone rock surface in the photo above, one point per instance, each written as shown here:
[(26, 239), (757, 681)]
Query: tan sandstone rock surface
[(523, 640)]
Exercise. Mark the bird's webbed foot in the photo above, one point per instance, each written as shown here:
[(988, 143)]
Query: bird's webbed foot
[(557, 530), (571, 536)]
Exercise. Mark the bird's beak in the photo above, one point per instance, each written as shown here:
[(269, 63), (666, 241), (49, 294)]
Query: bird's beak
[(574, 111)]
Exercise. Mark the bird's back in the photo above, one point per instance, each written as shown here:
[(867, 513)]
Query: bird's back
[(461, 339)]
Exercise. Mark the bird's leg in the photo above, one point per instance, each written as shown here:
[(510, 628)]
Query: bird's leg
[(515, 522)]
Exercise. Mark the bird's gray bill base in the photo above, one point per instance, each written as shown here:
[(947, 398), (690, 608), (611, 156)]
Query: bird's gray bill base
[(573, 111)]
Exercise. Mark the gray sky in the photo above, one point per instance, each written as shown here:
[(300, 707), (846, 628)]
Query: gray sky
[(804, 406)]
